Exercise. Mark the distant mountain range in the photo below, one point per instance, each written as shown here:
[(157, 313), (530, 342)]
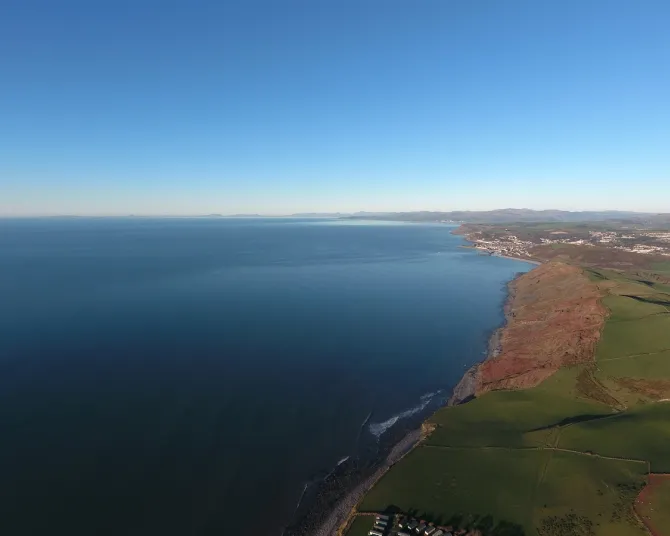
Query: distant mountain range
[(514, 215)]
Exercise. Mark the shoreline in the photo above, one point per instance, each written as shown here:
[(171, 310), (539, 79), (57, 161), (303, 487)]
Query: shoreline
[(529, 261), (488, 253), (340, 517)]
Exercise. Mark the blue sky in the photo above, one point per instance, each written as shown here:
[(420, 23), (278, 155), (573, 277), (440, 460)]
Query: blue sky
[(279, 106)]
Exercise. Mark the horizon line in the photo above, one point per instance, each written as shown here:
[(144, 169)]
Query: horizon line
[(317, 213)]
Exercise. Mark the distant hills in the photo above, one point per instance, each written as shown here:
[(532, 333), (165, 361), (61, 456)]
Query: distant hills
[(514, 215)]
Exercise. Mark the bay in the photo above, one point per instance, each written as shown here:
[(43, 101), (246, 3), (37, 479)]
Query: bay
[(191, 376)]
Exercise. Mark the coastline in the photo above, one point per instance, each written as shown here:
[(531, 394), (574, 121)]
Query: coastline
[(340, 516), (338, 520), (328, 503), (488, 253), (530, 261), (465, 389)]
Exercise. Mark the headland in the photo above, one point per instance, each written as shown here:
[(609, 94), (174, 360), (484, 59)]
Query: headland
[(558, 430)]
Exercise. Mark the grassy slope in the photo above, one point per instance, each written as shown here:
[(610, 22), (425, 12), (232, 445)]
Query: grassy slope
[(586, 491), (661, 267), (361, 526), (442, 484), (503, 418), (634, 337), (641, 433), (627, 308), (601, 408)]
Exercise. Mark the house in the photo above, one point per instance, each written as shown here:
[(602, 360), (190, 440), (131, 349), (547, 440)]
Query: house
[(382, 517), (375, 533), (403, 534), (381, 522), (413, 524), (429, 530), (379, 528), (438, 532), (421, 527)]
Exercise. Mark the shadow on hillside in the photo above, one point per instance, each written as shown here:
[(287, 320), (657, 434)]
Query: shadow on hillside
[(647, 300), (571, 420)]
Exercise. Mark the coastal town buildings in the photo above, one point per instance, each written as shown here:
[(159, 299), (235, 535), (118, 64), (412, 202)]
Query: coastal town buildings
[(402, 525), (506, 244)]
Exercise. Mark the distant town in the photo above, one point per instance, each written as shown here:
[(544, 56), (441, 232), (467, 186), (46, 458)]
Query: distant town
[(508, 242)]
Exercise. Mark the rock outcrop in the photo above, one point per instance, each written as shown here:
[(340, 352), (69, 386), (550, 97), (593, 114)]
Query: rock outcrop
[(467, 387)]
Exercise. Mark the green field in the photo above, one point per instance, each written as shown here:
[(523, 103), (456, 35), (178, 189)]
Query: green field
[(628, 308), (361, 526), (579, 491), (662, 267), (503, 418), (649, 366), (637, 380), (635, 337), (641, 433), (445, 485), (536, 491)]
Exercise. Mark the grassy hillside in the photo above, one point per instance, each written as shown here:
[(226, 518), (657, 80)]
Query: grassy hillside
[(641, 433), (568, 457), (582, 493), (635, 337), (504, 418), (455, 486)]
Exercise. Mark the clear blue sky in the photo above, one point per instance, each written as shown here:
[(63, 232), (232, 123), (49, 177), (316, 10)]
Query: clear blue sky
[(278, 106)]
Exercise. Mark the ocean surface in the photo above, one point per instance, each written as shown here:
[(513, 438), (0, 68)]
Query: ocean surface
[(191, 376)]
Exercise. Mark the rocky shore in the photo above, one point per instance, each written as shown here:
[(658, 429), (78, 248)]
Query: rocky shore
[(340, 514), (553, 317), (466, 388), (328, 503)]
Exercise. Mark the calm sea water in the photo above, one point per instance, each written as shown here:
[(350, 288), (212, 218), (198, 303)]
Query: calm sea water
[(190, 376)]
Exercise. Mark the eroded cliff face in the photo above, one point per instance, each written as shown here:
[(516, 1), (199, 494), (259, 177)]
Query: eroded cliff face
[(467, 387), (554, 318)]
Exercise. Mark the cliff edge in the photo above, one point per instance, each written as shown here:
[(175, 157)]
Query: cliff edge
[(553, 318)]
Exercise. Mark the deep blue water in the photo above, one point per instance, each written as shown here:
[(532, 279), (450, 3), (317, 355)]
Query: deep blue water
[(189, 376)]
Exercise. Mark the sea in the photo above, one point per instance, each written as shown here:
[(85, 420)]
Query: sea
[(193, 376)]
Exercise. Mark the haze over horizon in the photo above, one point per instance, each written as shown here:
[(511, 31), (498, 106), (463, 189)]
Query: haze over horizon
[(148, 108)]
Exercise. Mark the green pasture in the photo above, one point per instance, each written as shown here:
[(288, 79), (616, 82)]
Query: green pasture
[(578, 493), (633, 308), (503, 418), (456, 486), (650, 366), (640, 433), (635, 337), (361, 526), (637, 380), (537, 491), (661, 267)]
